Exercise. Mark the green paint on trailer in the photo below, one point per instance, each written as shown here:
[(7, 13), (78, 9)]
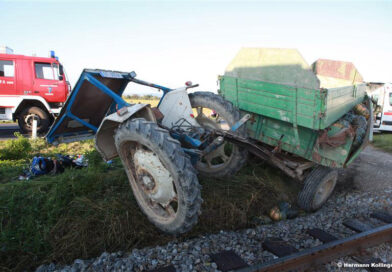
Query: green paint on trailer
[(285, 105), (273, 107)]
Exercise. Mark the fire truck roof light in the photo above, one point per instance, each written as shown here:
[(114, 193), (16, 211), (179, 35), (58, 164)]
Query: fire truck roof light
[(52, 54)]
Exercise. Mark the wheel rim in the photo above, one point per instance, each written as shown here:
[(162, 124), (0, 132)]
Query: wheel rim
[(220, 157), (152, 183), (29, 120), (324, 191)]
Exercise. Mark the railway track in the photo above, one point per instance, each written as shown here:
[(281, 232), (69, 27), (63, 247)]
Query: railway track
[(289, 258), (332, 248)]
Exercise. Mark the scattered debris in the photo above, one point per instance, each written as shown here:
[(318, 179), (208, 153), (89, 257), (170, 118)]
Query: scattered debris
[(361, 109), (43, 166), (283, 211)]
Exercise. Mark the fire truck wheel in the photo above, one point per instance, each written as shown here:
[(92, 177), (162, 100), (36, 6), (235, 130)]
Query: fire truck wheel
[(318, 187), (26, 117)]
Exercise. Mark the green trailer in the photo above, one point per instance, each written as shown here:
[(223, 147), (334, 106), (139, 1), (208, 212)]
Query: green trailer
[(298, 122), (300, 119)]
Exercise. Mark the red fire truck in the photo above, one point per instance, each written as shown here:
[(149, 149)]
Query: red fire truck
[(31, 88)]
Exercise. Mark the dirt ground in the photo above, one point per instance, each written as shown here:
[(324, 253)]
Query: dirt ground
[(371, 171)]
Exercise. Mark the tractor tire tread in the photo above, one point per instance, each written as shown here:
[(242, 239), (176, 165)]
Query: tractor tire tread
[(187, 178), (218, 101), (311, 183)]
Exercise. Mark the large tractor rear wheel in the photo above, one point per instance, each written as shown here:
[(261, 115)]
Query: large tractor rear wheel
[(162, 177), (214, 112), (318, 187)]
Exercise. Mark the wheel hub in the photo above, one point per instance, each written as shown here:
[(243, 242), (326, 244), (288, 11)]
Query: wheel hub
[(29, 119), (323, 192), (155, 179), (148, 182), (204, 121)]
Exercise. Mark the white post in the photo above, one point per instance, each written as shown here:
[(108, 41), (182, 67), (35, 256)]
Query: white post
[(34, 131)]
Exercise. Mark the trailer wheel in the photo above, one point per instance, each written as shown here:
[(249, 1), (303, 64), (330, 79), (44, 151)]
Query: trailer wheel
[(213, 111), (26, 117), (162, 177), (318, 187)]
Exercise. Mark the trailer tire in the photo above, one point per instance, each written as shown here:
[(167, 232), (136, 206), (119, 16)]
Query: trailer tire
[(158, 169), (26, 116), (318, 187), (231, 115)]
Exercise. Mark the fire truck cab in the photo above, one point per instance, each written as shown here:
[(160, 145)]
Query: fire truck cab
[(31, 88)]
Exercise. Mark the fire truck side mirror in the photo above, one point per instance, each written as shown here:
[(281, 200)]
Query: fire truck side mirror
[(61, 70), (61, 77)]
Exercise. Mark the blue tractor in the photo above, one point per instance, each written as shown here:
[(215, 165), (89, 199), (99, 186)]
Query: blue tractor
[(162, 149)]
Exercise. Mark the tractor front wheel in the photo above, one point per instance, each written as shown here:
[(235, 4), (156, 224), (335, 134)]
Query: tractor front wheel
[(162, 177)]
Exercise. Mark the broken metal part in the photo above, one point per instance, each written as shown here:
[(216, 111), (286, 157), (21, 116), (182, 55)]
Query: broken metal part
[(216, 143), (242, 121), (266, 154), (337, 139), (122, 110)]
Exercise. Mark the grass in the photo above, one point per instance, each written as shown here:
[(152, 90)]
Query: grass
[(7, 122), (81, 213), (383, 141), (152, 102)]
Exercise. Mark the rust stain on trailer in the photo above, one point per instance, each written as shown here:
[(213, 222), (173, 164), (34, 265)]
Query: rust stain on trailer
[(337, 139), (337, 69)]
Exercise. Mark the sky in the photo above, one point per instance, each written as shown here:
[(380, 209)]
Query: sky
[(171, 42)]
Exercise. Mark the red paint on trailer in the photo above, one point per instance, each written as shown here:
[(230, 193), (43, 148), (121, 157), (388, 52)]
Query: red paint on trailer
[(337, 69)]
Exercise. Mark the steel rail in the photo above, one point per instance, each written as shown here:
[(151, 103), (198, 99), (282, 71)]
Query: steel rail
[(309, 258)]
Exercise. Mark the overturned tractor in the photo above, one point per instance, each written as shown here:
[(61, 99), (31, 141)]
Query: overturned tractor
[(270, 103)]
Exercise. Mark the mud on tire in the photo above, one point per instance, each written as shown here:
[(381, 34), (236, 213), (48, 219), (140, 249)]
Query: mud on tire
[(231, 115), (318, 187), (139, 133)]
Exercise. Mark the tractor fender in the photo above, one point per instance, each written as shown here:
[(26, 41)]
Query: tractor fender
[(104, 140)]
